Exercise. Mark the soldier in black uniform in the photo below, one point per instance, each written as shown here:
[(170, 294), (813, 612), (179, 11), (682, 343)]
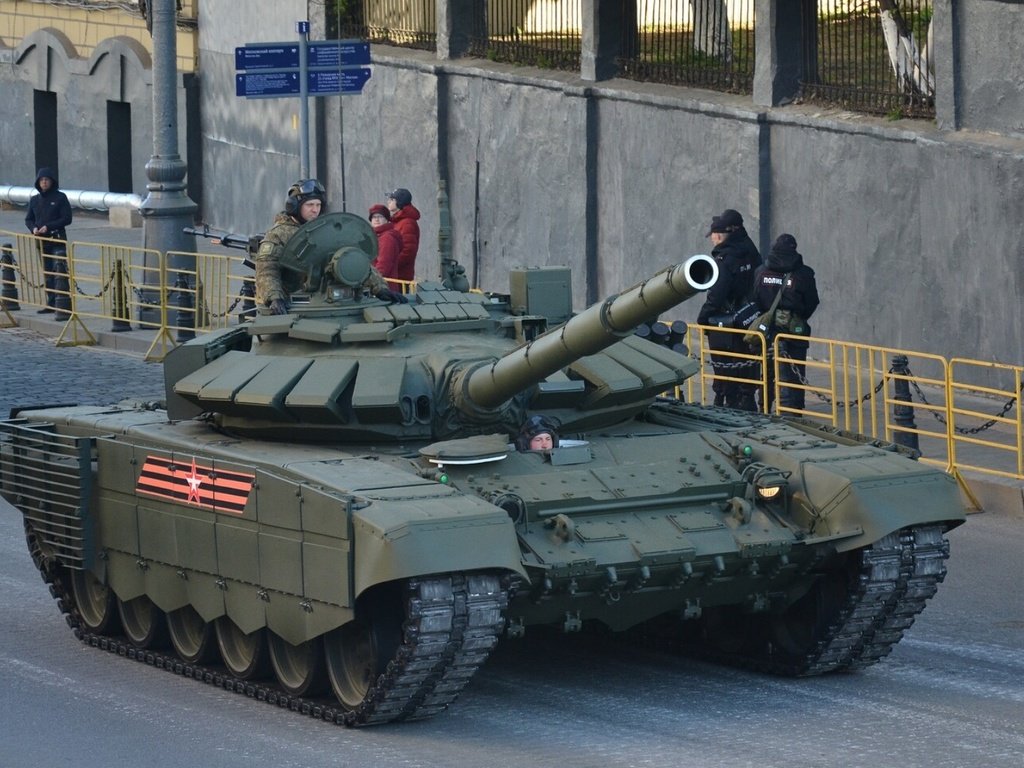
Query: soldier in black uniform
[(737, 259), (797, 303)]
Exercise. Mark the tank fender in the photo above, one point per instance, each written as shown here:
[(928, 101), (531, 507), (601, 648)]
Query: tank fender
[(399, 539), (866, 508)]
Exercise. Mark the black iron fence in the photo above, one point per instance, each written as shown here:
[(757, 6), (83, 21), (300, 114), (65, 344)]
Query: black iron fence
[(871, 56), (408, 23), (701, 43), (541, 33), (865, 55)]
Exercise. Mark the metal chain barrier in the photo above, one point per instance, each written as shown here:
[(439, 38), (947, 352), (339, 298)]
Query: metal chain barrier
[(30, 284), (103, 288), (964, 430)]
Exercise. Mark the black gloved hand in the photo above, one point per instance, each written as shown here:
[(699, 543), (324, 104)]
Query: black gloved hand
[(278, 307), (392, 297)]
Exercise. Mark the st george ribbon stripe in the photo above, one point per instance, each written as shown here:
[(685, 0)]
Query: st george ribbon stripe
[(195, 484)]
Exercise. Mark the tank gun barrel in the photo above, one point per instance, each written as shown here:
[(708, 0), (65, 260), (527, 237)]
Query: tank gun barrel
[(594, 329)]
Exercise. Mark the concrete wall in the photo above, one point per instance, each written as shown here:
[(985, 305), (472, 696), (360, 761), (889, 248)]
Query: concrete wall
[(915, 234), (989, 67), (119, 69), (251, 147)]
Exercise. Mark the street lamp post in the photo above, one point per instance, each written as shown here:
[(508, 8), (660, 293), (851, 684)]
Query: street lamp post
[(167, 209)]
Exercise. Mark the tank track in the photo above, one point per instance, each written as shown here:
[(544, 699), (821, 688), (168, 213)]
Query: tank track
[(896, 577), (452, 623)]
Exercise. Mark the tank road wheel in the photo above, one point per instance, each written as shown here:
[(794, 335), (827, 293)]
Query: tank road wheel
[(245, 656), (298, 668), (357, 654), (96, 603), (144, 624), (191, 637)]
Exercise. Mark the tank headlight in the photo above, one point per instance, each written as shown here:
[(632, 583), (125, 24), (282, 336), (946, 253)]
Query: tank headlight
[(767, 481)]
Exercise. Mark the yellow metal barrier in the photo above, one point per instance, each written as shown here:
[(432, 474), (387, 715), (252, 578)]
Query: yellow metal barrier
[(980, 439), (961, 415)]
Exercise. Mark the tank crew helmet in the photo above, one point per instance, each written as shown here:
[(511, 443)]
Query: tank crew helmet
[(534, 426), (402, 197), (300, 192)]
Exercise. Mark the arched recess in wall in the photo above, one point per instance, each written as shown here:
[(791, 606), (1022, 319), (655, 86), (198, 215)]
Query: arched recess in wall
[(120, 77), (44, 59)]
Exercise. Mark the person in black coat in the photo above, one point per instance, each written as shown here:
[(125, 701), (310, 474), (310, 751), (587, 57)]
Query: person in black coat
[(797, 303), (737, 258), (49, 213)]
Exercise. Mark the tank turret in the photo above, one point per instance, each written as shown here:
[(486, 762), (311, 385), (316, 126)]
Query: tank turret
[(346, 366)]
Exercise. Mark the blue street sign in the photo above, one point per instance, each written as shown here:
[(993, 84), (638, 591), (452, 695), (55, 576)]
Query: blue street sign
[(338, 53), (267, 85), (302, 27), (267, 56), (330, 54), (323, 82)]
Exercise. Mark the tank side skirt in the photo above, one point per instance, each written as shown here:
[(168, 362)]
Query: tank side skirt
[(452, 623)]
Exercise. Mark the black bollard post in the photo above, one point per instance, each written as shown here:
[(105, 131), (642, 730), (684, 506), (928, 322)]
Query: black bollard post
[(248, 293), (120, 323), (186, 316), (643, 331), (9, 293), (903, 415)]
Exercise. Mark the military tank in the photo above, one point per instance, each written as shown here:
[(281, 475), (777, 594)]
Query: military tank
[(330, 511)]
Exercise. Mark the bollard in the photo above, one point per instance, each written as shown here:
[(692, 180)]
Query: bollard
[(643, 331), (186, 316), (9, 294), (248, 301), (903, 415), (120, 323)]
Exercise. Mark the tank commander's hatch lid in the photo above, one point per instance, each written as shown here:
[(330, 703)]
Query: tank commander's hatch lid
[(479, 449)]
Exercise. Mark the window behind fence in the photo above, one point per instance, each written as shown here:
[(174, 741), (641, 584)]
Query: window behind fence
[(871, 56), (702, 43)]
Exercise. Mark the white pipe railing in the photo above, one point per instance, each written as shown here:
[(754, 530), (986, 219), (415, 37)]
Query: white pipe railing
[(95, 201)]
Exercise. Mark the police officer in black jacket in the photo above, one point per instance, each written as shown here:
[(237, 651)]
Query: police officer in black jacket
[(797, 303), (49, 213), (737, 259)]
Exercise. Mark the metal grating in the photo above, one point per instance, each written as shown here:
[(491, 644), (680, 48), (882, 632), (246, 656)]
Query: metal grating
[(48, 478)]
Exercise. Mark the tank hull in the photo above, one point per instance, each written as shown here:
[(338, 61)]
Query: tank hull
[(653, 524)]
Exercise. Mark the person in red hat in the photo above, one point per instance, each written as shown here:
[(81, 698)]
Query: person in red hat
[(389, 245)]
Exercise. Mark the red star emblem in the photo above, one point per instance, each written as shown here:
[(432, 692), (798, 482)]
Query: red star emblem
[(194, 480)]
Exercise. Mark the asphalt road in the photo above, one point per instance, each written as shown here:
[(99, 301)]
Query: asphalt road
[(951, 694)]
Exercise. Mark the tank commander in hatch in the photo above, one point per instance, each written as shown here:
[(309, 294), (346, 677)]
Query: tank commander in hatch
[(305, 202), (538, 433)]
